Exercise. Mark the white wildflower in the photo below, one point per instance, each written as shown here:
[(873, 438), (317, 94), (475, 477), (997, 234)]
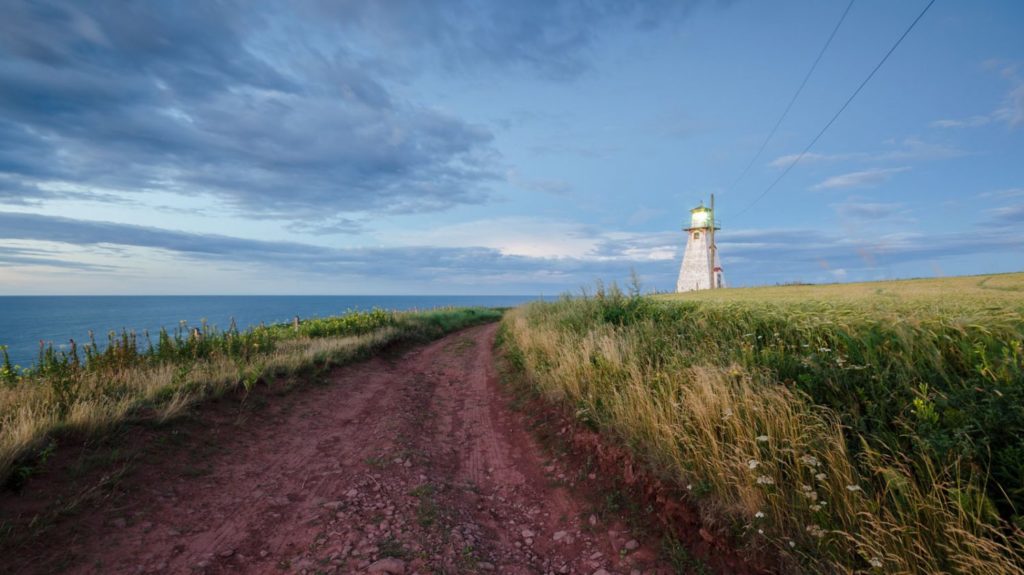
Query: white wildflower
[(762, 438), (815, 507), (853, 488), (765, 480), (689, 487), (792, 543), (805, 487), (824, 349), (760, 531), (810, 460), (759, 515), (816, 531), (753, 463), (875, 562), (820, 476)]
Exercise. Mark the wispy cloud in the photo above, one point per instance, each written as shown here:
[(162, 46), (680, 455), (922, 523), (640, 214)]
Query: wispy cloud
[(1003, 194), (860, 179), (547, 186), (905, 150), (1009, 112), (867, 210), (1008, 215), (972, 122)]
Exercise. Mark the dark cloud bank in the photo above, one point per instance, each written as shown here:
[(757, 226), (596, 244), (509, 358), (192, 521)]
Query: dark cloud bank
[(291, 110)]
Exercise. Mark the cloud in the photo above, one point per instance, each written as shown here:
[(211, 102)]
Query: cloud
[(549, 37), (1010, 111), (1008, 215), (547, 186), (907, 149), (867, 210), (215, 100), (814, 158), (859, 179), (765, 254), (1003, 194), (972, 122)]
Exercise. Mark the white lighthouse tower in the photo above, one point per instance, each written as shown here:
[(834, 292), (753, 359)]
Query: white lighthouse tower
[(701, 268)]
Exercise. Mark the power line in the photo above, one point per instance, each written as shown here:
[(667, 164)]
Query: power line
[(796, 95), (847, 103)]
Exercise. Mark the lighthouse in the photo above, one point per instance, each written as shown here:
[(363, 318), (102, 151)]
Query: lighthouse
[(701, 268)]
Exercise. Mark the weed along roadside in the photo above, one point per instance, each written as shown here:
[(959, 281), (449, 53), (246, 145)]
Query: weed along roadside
[(869, 428), (87, 390)]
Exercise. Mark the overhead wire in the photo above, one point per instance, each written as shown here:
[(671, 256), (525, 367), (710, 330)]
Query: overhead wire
[(803, 153), (796, 95)]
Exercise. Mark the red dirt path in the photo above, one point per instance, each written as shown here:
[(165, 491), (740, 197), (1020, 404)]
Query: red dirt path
[(413, 464)]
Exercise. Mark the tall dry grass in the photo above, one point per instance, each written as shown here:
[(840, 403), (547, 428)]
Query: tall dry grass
[(758, 456)]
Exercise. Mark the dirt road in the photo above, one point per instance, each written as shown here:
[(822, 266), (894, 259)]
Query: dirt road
[(413, 464)]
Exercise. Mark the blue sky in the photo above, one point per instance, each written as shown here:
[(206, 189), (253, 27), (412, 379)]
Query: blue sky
[(406, 147)]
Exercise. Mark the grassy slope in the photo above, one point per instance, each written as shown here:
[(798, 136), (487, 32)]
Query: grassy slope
[(872, 426), (92, 390)]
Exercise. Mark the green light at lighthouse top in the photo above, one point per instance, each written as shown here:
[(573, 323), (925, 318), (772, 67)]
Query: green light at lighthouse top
[(702, 217)]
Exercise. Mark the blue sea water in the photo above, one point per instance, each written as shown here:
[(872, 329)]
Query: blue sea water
[(27, 320)]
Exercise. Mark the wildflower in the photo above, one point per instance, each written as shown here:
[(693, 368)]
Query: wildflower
[(759, 515), (753, 463), (816, 531), (792, 543), (810, 460), (805, 487), (762, 438), (820, 476), (765, 480), (853, 488), (875, 562), (689, 487), (760, 531), (815, 507)]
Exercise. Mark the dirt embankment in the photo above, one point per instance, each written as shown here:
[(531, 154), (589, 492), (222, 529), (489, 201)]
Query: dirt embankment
[(410, 464)]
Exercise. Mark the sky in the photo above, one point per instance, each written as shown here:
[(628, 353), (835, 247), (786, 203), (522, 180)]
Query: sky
[(492, 147)]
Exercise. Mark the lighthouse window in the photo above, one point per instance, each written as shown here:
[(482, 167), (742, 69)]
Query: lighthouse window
[(696, 235)]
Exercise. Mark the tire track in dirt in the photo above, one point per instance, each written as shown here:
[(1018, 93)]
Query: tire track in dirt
[(410, 465)]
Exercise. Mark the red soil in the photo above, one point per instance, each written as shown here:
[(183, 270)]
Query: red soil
[(410, 464)]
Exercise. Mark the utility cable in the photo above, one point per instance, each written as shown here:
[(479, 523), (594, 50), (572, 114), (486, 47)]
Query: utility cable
[(841, 109), (796, 95)]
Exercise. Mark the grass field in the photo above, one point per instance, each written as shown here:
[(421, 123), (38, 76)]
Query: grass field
[(874, 427), (90, 388)]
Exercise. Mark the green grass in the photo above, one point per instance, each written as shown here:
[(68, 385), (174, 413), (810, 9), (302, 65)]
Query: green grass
[(90, 388), (869, 424)]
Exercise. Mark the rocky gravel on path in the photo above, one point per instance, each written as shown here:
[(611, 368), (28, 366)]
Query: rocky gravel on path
[(414, 464)]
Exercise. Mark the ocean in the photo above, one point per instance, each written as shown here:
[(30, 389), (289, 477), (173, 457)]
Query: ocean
[(27, 320)]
